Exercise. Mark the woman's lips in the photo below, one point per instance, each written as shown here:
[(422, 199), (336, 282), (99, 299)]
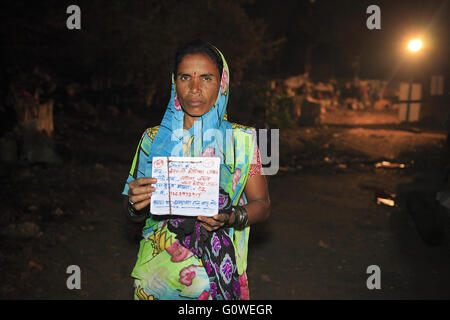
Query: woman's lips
[(195, 103)]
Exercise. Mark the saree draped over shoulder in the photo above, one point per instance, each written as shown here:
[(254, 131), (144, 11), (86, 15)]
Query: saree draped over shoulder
[(178, 258)]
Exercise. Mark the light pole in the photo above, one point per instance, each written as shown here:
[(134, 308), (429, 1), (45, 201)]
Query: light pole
[(414, 46)]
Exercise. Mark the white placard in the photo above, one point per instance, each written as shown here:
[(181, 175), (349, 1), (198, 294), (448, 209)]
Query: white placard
[(186, 186)]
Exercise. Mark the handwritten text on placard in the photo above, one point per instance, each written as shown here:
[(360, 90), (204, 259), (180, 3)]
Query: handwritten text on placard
[(187, 186)]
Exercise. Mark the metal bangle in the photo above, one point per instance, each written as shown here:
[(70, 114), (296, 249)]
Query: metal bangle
[(133, 212), (131, 209), (245, 218), (236, 216), (240, 217)]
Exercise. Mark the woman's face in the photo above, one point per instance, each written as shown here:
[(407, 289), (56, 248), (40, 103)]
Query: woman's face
[(197, 84)]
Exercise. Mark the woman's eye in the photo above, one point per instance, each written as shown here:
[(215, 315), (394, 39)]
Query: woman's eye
[(207, 78), (184, 77)]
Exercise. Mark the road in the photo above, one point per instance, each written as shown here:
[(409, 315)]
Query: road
[(324, 231)]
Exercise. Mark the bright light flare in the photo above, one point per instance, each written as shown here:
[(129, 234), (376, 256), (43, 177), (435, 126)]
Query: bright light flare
[(415, 45)]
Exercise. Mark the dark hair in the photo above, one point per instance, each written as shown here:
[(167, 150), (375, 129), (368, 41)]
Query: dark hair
[(198, 47)]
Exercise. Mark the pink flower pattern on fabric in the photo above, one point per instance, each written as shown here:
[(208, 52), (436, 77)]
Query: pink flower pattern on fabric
[(255, 165), (177, 104), (236, 176), (187, 274), (209, 152), (178, 252), (204, 295), (244, 287), (223, 82)]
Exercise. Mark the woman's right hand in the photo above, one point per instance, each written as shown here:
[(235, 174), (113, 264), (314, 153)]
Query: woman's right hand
[(140, 192)]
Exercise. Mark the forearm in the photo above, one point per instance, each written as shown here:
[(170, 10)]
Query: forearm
[(257, 210)]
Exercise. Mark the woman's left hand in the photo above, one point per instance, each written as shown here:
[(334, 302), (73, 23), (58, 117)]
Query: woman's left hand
[(216, 222)]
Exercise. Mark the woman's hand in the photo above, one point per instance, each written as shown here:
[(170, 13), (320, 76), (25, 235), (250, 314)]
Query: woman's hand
[(217, 221), (140, 192), (257, 207)]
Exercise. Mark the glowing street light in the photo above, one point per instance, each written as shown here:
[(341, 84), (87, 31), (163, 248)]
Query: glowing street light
[(415, 45)]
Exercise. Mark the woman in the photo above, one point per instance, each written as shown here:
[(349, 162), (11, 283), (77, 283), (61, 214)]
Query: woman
[(201, 257)]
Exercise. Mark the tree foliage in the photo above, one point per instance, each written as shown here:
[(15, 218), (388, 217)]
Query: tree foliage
[(119, 37)]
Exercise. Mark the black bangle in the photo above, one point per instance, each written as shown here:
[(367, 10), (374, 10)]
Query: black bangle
[(240, 217), (132, 211)]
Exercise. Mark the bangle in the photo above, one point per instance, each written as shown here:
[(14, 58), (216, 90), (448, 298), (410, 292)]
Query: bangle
[(240, 217), (132, 211)]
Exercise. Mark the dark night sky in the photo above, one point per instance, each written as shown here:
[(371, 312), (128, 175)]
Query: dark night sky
[(341, 27), (336, 30)]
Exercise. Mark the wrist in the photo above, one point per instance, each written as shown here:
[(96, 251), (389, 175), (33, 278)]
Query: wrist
[(240, 217), (133, 211), (231, 219)]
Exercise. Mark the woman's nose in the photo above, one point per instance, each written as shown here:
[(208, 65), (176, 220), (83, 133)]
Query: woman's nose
[(195, 85)]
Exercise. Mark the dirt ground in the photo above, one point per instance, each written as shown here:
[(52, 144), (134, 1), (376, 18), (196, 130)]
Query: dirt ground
[(324, 231)]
